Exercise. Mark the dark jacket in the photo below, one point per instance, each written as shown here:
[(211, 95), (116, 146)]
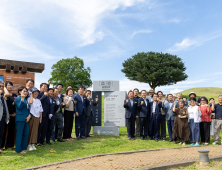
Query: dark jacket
[(89, 107), (56, 107), (80, 105), (45, 104), (53, 105), (143, 110), (131, 111)]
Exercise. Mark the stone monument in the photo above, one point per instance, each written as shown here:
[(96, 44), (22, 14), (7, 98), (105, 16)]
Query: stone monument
[(18, 72), (114, 113)]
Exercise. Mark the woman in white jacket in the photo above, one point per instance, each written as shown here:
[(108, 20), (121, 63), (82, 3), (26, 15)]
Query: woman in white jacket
[(194, 119)]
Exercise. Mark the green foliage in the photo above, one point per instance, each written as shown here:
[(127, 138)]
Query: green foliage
[(71, 71), (156, 69)]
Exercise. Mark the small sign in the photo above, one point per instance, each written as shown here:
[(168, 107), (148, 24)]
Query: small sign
[(106, 85)]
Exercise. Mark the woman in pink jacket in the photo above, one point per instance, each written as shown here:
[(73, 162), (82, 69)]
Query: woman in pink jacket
[(205, 121)]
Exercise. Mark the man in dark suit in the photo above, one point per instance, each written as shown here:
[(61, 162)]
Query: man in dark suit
[(60, 95), (89, 112), (43, 97), (136, 97), (155, 117), (131, 113), (81, 103), (58, 117), (51, 116), (143, 110)]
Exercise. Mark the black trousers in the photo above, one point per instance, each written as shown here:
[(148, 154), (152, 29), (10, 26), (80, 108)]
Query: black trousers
[(10, 136), (205, 131), (144, 126), (49, 129), (131, 127), (162, 132), (88, 124), (42, 130), (68, 124), (2, 129)]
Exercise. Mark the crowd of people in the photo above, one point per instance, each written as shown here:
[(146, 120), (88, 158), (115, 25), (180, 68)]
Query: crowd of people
[(39, 117), (191, 120)]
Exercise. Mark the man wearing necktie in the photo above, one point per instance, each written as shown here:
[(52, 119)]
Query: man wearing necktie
[(131, 113), (81, 103), (143, 110)]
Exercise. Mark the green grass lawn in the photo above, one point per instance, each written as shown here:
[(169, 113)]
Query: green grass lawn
[(75, 149)]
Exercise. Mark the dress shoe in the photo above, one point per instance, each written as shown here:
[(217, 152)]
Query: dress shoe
[(141, 138), (39, 144), (10, 149), (78, 138), (170, 141), (129, 138), (83, 137), (48, 143), (88, 136), (60, 140), (156, 140), (43, 143)]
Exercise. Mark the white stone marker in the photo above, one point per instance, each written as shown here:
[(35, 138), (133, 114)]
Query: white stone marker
[(113, 107)]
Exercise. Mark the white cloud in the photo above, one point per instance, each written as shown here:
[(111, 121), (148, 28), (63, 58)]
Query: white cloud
[(175, 91), (76, 22), (187, 43), (140, 32)]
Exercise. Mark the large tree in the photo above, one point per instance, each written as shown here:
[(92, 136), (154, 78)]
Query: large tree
[(71, 71), (156, 69)]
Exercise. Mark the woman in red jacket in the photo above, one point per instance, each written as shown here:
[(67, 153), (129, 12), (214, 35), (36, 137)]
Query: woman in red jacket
[(205, 121)]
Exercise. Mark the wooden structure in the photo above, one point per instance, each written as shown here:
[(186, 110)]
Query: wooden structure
[(19, 71)]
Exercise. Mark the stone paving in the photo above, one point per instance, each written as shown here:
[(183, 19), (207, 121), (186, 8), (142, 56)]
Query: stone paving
[(137, 160)]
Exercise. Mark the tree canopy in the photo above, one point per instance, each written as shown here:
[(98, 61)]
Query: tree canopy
[(71, 71), (156, 69)]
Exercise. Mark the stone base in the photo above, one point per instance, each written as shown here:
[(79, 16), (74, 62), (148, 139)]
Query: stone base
[(106, 130), (204, 163)]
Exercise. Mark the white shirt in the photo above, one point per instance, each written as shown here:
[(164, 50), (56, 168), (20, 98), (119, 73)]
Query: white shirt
[(171, 103), (81, 97), (154, 107), (145, 101), (193, 113), (35, 107)]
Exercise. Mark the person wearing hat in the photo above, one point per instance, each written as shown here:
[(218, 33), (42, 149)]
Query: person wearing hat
[(36, 114), (192, 94), (150, 98), (46, 105)]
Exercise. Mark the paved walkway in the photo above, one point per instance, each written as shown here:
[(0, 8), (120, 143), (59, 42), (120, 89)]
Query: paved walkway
[(137, 160)]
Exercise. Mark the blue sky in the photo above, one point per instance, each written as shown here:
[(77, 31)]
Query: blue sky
[(104, 33)]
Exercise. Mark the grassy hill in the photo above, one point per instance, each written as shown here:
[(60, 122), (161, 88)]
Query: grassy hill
[(204, 91)]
